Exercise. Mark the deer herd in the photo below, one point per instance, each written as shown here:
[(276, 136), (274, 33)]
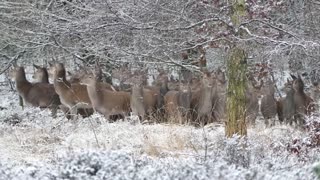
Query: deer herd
[(199, 101)]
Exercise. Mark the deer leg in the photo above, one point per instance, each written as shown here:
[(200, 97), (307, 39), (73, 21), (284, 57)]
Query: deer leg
[(66, 111), (266, 122), (73, 112), (54, 110)]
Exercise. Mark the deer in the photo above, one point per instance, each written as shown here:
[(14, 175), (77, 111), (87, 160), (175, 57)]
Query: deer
[(286, 108), (74, 96), (160, 88), (41, 74), (147, 101), (40, 94), (137, 102), (201, 101), (303, 103), (177, 104), (268, 103), (219, 96), (252, 93), (105, 101), (315, 94)]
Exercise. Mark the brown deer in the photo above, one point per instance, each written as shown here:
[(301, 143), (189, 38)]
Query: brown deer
[(219, 96), (137, 103), (41, 74), (252, 101), (148, 101), (177, 104), (315, 94), (286, 107), (74, 96), (303, 103), (268, 103), (161, 87), (40, 95), (201, 101), (105, 101)]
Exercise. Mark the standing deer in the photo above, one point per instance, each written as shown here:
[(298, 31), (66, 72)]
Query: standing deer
[(201, 101), (105, 101), (252, 101), (137, 102), (302, 102), (177, 104), (40, 95), (268, 103), (41, 74), (219, 96), (286, 106), (148, 101), (160, 88), (315, 94), (74, 96)]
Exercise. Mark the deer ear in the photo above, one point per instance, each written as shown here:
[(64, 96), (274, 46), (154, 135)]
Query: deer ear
[(14, 63), (37, 67), (299, 77), (293, 76)]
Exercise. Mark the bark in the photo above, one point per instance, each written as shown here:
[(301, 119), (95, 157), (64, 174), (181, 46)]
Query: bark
[(236, 73), (236, 103)]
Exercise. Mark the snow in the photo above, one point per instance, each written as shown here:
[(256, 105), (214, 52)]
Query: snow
[(33, 145)]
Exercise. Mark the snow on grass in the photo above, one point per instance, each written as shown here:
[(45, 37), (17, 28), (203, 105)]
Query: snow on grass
[(33, 145)]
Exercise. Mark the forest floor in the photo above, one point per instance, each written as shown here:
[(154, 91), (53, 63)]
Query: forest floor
[(33, 145)]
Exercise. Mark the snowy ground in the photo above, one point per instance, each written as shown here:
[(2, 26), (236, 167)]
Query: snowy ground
[(35, 146)]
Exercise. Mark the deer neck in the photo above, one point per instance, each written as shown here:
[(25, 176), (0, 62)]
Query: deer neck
[(164, 88), (137, 93), (95, 93), (61, 84), (45, 78), (205, 103), (184, 98), (207, 92), (23, 85)]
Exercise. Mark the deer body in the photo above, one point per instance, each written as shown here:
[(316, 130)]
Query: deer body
[(74, 96), (137, 103), (40, 95), (269, 104), (287, 105), (105, 101), (219, 96), (202, 101), (303, 103), (177, 104)]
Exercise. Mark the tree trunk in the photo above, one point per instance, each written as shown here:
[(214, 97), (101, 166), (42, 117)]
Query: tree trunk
[(236, 72), (236, 102)]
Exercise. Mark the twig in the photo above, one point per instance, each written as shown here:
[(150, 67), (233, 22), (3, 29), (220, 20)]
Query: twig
[(94, 132), (13, 59), (205, 144)]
